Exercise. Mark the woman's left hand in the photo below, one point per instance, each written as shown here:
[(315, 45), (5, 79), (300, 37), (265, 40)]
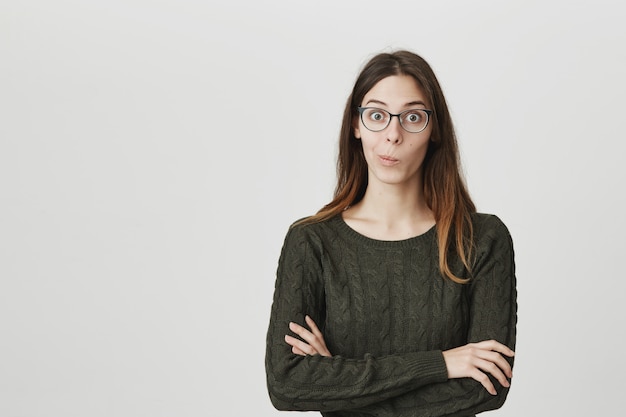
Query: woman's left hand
[(313, 343)]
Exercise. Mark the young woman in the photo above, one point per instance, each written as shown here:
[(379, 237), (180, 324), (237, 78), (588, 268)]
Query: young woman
[(396, 298)]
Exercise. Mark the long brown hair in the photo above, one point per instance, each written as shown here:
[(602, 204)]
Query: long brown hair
[(444, 188)]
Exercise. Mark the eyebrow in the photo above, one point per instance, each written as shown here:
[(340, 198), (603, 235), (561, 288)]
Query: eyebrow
[(410, 103)]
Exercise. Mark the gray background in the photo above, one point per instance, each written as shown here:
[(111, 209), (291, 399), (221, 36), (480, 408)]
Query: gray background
[(153, 154)]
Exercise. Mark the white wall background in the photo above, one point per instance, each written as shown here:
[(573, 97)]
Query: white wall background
[(153, 153)]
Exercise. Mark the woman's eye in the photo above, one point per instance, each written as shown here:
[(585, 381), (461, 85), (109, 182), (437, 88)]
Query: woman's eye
[(377, 116), (413, 117)]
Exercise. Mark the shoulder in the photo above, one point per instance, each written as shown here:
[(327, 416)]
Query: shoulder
[(306, 242), (489, 226), (304, 230), (491, 237)]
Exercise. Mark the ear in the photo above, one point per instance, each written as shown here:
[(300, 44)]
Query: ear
[(356, 130)]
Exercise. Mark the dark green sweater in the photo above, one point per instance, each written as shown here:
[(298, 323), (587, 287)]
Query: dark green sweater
[(387, 314)]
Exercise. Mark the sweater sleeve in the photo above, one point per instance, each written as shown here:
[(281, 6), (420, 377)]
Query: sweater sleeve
[(493, 315), (329, 383)]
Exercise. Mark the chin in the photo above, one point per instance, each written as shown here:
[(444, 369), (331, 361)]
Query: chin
[(393, 180)]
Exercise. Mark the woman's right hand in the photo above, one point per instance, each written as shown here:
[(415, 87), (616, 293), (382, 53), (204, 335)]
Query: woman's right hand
[(476, 360), (314, 343)]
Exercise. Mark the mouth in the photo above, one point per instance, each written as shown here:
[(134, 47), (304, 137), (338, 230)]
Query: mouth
[(387, 160)]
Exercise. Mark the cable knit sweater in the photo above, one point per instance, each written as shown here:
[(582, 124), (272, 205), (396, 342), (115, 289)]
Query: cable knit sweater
[(387, 314)]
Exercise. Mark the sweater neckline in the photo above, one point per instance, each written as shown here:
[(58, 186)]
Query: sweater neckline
[(349, 232)]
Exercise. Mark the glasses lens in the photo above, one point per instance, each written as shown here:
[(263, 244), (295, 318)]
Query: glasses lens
[(375, 119), (414, 120)]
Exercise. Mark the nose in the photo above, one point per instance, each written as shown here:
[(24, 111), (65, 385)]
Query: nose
[(394, 130)]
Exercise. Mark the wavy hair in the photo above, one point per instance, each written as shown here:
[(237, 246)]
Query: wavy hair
[(444, 187)]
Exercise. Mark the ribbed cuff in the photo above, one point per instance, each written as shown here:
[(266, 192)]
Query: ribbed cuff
[(428, 367)]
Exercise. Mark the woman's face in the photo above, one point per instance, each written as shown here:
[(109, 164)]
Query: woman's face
[(394, 155)]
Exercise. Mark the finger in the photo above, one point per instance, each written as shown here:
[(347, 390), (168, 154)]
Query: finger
[(484, 380), (297, 351), (499, 361), (312, 325), (495, 346), (316, 331), (493, 369), (303, 332), (318, 334), (310, 338), (300, 345), (301, 348)]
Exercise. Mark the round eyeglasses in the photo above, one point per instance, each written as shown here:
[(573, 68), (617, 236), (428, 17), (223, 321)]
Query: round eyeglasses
[(413, 120)]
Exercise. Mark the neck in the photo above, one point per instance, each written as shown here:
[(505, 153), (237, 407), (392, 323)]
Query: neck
[(393, 204), (391, 211)]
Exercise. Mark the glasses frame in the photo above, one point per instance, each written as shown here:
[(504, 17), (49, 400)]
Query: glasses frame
[(428, 112)]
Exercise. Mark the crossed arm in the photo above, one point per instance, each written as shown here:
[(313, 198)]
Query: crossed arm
[(473, 360)]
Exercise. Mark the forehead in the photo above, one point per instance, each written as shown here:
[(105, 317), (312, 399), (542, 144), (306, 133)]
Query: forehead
[(397, 90)]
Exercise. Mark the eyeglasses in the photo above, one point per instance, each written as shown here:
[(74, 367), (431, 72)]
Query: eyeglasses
[(413, 120)]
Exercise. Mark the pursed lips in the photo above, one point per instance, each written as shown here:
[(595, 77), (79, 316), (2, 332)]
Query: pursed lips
[(387, 160)]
